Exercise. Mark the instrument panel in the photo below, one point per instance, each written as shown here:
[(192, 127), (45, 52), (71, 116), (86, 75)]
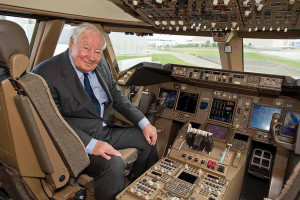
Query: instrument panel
[(222, 116)]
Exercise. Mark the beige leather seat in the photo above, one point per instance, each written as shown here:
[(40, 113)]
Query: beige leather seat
[(35, 139)]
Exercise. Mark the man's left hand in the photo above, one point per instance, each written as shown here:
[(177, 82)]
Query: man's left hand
[(150, 134)]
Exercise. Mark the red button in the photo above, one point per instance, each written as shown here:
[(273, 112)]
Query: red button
[(213, 165), (209, 164)]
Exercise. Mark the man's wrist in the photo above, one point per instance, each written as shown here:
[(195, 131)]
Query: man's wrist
[(143, 123), (91, 145)]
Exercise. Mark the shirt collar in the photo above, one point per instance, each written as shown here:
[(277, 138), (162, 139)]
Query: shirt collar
[(79, 73)]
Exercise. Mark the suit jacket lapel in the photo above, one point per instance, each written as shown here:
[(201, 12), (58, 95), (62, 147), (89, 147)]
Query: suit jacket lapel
[(74, 85)]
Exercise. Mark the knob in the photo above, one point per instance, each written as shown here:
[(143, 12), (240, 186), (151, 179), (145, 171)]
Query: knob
[(164, 22), (233, 24), (200, 171), (157, 23), (247, 12), (157, 185), (197, 28), (278, 29), (196, 159), (190, 157), (186, 166), (257, 2), (202, 162), (172, 22), (250, 29), (170, 28), (291, 2), (271, 29), (204, 27), (245, 3), (259, 7), (255, 29), (169, 173), (184, 28), (238, 28), (159, 1), (180, 22), (150, 182), (177, 28), (184, 155), (226, 28), (285, 29), (215, 2), (263, 29), (135, 3), (213, 25)]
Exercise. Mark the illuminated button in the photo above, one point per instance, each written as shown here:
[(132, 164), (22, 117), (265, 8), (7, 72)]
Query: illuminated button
[(213, 165), (209, 164)]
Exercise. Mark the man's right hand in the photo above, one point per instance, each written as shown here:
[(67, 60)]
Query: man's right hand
[(103, 148)]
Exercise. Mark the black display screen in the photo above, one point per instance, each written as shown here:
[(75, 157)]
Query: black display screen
[(241, 137), (219, 132), (171, 97), (222, 110), (187, 177), (262, 116), (187, 102), (291, 121)]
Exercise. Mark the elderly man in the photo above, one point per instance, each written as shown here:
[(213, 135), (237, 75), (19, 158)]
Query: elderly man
[(84, 91)]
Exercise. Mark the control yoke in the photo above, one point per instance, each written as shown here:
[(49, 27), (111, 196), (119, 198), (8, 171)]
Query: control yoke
[(275, 128)]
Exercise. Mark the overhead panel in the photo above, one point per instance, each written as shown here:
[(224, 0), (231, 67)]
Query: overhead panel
[(219, 15)]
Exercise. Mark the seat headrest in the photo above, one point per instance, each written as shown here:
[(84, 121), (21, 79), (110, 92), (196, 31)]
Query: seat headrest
[(13, 41)]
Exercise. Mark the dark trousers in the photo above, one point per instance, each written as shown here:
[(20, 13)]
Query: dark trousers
[(109, 174)]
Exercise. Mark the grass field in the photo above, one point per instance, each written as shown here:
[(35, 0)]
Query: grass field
[(210, 52), (162, 58)]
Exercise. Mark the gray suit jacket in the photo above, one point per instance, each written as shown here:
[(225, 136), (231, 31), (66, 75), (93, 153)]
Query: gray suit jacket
[(74, 103)]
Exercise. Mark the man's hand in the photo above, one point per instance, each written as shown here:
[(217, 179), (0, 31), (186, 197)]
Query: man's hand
[(150, 134), (103, 148)]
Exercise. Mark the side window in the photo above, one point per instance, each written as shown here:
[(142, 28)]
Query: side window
[(272, 56), (26, 23), (63, 42)]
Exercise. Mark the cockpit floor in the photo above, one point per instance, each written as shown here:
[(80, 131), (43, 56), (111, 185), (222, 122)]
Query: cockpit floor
[(254, 188)]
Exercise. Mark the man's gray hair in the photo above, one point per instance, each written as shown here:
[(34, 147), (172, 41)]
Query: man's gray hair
[(86, 28)]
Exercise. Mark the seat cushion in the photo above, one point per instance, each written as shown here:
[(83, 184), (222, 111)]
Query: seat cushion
[(129, 156)]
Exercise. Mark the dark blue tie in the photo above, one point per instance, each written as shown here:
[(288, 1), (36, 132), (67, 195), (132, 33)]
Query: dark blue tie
[(90, 92)]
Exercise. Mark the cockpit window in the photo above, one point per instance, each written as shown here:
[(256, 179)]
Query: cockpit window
[(131, 49), (272, 56), (63, 42), (26, 23)]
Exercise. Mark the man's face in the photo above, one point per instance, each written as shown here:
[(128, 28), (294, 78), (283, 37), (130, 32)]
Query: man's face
[(86, 52)]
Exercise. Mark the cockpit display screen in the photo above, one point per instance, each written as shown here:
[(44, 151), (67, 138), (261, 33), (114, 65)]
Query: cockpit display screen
[(171, 97), (219, 132), (262, 116), (291, 121), (187, 102), (222, 110)]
